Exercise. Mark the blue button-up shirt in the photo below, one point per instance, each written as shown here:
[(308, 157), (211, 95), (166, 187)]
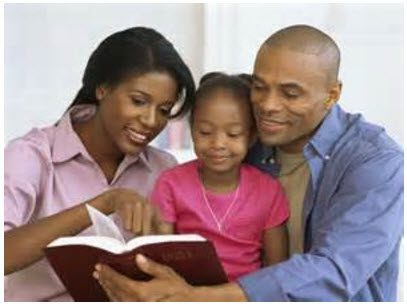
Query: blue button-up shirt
[(352, 218)]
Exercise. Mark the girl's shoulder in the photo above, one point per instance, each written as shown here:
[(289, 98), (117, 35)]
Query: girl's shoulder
[(181, 171), (258, 177)]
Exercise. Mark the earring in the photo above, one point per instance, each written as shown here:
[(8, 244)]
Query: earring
[(327, 102)]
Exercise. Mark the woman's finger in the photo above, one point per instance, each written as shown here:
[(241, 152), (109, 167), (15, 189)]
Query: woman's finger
[(137, 212), (147, 219)]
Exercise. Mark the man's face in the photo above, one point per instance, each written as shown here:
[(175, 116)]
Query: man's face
[(288, 94)]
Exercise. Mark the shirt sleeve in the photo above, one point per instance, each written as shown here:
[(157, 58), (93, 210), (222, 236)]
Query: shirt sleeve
[(163, 197), (357, 233), (279, 211), (23, 167)]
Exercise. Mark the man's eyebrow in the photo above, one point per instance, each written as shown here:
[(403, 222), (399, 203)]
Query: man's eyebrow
[(257, 78), (291, 84)]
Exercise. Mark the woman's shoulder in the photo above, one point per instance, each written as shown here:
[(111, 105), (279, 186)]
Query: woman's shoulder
[(159, 159), (37, 143)]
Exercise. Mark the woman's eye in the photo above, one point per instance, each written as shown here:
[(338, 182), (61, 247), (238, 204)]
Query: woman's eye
[(138, 102), (166, 111), (204, 132)]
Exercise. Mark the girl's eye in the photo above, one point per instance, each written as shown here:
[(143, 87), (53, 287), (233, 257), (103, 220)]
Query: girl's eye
[(234, 135), (204, 133)]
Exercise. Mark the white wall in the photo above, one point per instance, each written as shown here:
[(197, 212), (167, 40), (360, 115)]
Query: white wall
[(47, 47), (370, 37)]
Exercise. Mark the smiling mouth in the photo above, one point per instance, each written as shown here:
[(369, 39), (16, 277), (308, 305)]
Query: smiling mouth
[(218, 158), (135, 136), (271, 125)]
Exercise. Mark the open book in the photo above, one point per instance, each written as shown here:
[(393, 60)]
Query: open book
[(74, 258)]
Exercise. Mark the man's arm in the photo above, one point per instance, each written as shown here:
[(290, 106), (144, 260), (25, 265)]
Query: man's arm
[(275, 245), (358, 231)]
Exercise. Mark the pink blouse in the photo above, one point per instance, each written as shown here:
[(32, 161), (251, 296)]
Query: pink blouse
[(49, 170)]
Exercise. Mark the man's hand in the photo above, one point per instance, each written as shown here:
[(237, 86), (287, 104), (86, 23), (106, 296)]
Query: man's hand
[(166, 284)]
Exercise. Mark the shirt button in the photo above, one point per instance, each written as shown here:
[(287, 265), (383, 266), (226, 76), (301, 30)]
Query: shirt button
[(327, 157)]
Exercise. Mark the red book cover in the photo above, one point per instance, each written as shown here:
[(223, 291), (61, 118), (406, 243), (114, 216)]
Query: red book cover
[(74, 261)]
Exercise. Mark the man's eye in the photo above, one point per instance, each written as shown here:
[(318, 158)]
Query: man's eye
[(257, 86), (291, 94)]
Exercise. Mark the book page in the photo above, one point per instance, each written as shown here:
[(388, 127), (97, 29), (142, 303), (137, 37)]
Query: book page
[(151, 239), (105, 243), (103, 225)]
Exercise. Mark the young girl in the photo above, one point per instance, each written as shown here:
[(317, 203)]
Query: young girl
[(234, 205), (98, 153)]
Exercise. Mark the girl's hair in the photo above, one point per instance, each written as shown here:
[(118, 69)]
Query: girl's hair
[(239, 85), (135, 51)]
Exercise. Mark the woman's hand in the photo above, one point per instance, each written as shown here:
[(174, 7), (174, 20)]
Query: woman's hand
[(137, 214)]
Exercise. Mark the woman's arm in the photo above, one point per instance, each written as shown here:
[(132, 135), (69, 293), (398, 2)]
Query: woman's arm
[(275, 245), (24, 245)]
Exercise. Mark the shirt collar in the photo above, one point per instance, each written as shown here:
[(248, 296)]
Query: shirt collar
[(329, 131), (67, 143)]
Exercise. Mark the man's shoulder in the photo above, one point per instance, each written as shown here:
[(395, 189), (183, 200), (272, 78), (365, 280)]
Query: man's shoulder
[(363, 138)]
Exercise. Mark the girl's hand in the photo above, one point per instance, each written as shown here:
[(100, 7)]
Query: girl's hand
[(137, 214)]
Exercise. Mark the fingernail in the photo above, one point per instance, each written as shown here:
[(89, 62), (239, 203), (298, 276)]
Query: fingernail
[(141, 259)]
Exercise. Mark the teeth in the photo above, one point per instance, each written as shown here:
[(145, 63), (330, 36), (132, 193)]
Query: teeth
[(136, 136)]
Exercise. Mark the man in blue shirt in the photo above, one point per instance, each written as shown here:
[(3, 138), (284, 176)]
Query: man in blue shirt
[(350, 210)]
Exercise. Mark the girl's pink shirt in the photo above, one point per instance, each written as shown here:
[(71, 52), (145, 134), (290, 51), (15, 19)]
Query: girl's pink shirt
[(260, 205), (49, 170)]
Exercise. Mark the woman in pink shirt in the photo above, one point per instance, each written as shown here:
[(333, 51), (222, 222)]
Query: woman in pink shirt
[(234, 205), (97, 153)]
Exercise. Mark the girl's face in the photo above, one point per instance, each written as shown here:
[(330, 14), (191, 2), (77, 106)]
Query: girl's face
[(135, 111), (221, 131)]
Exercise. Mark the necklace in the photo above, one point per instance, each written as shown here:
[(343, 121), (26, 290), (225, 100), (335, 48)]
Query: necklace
[(219, 222), (289, 164)]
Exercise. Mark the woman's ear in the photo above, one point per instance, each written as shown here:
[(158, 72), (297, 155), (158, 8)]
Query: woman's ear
[(100, 92)]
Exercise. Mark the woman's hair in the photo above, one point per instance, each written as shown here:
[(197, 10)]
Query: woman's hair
[(135, 51), (239, 85)]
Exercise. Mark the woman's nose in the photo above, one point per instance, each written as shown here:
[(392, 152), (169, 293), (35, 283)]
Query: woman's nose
[(149, 118)]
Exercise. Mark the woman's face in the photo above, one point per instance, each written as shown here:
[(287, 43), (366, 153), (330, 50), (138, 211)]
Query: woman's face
[(136, 110)]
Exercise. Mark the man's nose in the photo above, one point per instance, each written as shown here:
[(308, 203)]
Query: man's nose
[(271, 103)]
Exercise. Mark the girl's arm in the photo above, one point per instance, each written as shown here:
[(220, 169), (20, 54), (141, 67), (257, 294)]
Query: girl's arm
[(24, 245), (275, 245)]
